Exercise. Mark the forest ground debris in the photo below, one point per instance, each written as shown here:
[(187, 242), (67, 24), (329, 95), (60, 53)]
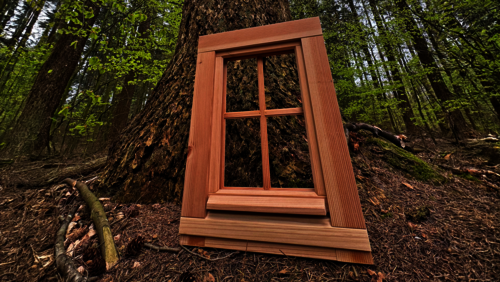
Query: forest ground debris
[(457, 239)]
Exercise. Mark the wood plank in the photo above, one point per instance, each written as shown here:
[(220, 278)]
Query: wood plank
[(292, 250), (189, 240), (216, 140), (340, 185), (305, 220), (286, 205), (278, 249), (267, 113), (283, 48), (198, 159), (230, 244), (287, 192), (223, 133), (246, 114), (266, 171), (319, 183), (287, 233), (354, 256), (283, 112), (260, 35)]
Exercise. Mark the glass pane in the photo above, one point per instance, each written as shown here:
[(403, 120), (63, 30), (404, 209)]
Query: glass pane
[(242, 86), (281, 82), (289, 152), (243, 156)]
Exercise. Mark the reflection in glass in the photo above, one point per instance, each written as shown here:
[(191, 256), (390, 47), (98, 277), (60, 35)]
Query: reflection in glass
[(289, 152), (281, 82), (243, 156), (242, 86)]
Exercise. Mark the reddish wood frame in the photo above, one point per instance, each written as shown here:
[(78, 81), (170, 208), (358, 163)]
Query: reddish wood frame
[(342, 233)]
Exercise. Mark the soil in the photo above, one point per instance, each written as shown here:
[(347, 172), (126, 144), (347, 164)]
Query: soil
[(439, 226)]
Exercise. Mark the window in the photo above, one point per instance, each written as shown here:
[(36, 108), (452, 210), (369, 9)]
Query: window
[(268, 167)]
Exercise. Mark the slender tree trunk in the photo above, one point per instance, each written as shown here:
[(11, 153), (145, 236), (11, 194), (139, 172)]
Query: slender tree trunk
[(148, 160), (31, 135), (457, 121), (400, 92), (122, 109)]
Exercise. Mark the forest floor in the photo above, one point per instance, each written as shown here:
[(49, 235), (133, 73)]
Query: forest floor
[(430, 220)]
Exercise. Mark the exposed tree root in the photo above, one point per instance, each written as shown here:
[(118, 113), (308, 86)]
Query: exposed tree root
[(52, 175), (64, 263), (102, 227), (397, 140)]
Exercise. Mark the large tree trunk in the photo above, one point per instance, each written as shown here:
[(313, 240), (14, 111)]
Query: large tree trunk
[(147, 163), (31, 134)]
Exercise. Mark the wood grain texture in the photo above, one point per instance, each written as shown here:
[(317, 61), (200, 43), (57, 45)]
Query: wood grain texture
[(223, 133), (354, 256), (292, 250), (273, 232), (278, 249), (280, 192), (340, 185), (246, 114), (283, 48), (283, 112), (266, 171), (319, 183), (305, 220), (216, 139), (260, 35), (262, 204), (267, 113), (198, 241), (198, 160)]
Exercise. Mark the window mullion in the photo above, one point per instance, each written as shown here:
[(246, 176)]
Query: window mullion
[(266, 174)]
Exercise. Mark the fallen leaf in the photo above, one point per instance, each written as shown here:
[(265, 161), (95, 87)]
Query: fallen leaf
[(407, 185), (81, 269), (76, 218), (381, 277), (284, 271), (371, 272), (136, 264), (447, 157), (209, 278), (412, 226), (155, 236)]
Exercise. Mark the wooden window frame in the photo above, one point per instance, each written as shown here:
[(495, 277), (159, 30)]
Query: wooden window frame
[(203, 220)]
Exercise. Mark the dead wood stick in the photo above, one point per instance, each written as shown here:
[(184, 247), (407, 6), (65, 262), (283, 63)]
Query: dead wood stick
[(397, 140), (64, 263), (98, 216), (215, 259), (158, 248)]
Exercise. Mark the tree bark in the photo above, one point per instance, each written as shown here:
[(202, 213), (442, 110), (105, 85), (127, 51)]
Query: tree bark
[(147, 163), (31, 135)]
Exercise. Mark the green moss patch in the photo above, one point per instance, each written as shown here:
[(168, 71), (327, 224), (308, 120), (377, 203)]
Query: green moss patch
[(406, 161)]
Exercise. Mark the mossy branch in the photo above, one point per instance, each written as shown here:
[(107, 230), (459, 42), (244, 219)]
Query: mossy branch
[(98, 216)]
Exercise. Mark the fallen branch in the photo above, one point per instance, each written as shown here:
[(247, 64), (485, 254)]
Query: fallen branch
[(158, 248), (98, 216), (215, 259), (64, 263), (397, 140)]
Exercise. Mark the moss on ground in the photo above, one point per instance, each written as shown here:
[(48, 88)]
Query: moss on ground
[(406, 161)]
